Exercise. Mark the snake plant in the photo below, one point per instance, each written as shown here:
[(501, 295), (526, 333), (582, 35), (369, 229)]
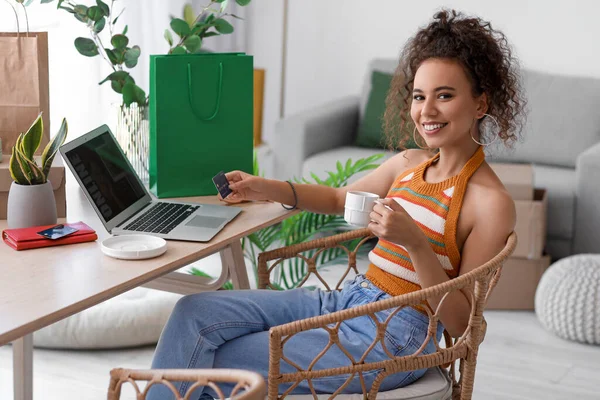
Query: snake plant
[(24, 169)]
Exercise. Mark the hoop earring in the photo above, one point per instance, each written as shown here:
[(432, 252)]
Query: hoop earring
[(495, 136), (415, 140)]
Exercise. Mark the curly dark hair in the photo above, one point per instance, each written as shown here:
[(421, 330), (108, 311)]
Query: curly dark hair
[(486, 57)]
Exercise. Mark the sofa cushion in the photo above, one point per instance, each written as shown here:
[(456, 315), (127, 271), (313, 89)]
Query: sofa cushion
[(560, 186), (370, 127), (321, 163), (386, 66), (563, 119)]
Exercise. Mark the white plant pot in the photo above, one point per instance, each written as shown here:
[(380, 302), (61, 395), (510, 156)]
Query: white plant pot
[(31, 205)]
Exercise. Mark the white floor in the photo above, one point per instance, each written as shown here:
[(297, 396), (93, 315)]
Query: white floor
[(518, 360)]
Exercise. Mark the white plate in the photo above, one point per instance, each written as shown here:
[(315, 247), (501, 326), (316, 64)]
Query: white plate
[(134, 247)]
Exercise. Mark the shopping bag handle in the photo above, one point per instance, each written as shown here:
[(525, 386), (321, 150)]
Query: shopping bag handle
[(218, 106)]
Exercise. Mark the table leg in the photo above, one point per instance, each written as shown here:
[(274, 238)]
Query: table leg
[(23, 367), (232, 258)]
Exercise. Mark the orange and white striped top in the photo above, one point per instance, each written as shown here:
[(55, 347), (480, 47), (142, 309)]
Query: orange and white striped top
[(435, 208)]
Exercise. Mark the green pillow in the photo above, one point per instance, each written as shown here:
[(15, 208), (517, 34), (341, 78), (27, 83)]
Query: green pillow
[(370, 129)]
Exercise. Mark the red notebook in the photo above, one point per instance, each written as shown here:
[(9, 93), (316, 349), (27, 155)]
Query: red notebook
[(27, 238)]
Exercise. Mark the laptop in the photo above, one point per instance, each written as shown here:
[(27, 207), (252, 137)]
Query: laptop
[(123, 203)]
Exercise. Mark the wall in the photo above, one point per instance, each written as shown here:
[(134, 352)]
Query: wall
[(330, 42)]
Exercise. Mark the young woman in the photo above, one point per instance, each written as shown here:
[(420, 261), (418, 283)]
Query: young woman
[(446, 214)]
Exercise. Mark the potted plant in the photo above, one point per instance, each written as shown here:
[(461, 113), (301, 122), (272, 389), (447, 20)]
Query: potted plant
[(114, 47), (31, 198)]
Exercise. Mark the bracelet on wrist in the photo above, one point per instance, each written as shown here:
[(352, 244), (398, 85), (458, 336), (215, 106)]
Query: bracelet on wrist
[(295, 198)]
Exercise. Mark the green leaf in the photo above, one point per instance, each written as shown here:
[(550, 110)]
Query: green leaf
[(125, 30), (95, 13), (243, 3), (116, 19), (133, 94), (104, 7), (223, 26), (33, 137), (209, 34), (180, 27), (119, 41), (99, 25), (193, 43), (86, 47), (169, 37), (188, 14), (131, 56), (178, 50), (30, 169), (224, 5), (52, 148), (46, 1), (16, 173), (348, 166), (81, 13), (116, 76), (112, 56), (118, 80)]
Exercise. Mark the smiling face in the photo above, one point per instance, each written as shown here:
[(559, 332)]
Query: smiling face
[(443, 106)]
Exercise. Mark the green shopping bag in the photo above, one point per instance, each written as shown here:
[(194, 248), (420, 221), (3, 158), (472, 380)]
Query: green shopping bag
[(201, 110)]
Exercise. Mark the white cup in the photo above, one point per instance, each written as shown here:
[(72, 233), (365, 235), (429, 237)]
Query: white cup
[(358, 207)]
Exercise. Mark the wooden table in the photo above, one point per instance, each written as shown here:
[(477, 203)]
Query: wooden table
[(42, 286)]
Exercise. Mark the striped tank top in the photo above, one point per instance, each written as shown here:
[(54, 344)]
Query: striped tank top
[(435, 208)]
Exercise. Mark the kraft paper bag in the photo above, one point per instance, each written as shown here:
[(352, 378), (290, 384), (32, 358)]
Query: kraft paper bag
[(23, 85)]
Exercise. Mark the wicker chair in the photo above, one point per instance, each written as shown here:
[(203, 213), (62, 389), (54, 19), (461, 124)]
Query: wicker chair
[(478, 283), (250, 385)]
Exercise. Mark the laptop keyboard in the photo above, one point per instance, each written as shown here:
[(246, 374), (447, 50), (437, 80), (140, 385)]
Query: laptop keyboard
[(162, 218)]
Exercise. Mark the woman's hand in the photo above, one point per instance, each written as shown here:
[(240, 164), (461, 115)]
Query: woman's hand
[(245, 187), (391, 222)]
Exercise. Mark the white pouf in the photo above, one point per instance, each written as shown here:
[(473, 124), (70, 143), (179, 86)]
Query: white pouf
[(134, 318), (567, 300)]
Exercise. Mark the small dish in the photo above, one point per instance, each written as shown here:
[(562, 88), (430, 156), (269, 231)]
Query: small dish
[(134, 247)]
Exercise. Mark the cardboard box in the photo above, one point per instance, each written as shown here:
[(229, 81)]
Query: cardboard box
[(517, 179), (517, 284), (56, 177), (531, 225)]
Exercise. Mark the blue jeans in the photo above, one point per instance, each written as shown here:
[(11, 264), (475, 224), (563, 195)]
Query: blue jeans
[(230, 329)]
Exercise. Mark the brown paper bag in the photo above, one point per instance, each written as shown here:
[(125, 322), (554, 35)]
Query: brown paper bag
[(23, 85)]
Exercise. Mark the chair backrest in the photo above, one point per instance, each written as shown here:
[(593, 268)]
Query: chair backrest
[(478, 283), (562, 116), (249, 385)]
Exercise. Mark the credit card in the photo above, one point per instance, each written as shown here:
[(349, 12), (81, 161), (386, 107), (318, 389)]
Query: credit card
[(57, 232), (222, 184)]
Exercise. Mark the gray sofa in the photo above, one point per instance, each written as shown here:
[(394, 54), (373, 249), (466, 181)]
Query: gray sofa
[(561, 140)]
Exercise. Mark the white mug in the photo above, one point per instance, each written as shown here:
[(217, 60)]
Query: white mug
[(358, 207)]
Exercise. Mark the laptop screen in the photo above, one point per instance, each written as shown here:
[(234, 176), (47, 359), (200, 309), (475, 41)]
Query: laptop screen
[(106, 175)]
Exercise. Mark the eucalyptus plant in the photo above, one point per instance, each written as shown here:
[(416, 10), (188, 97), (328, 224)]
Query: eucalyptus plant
[(23, 168), (113, 46), (302, 227), (192, 28)]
